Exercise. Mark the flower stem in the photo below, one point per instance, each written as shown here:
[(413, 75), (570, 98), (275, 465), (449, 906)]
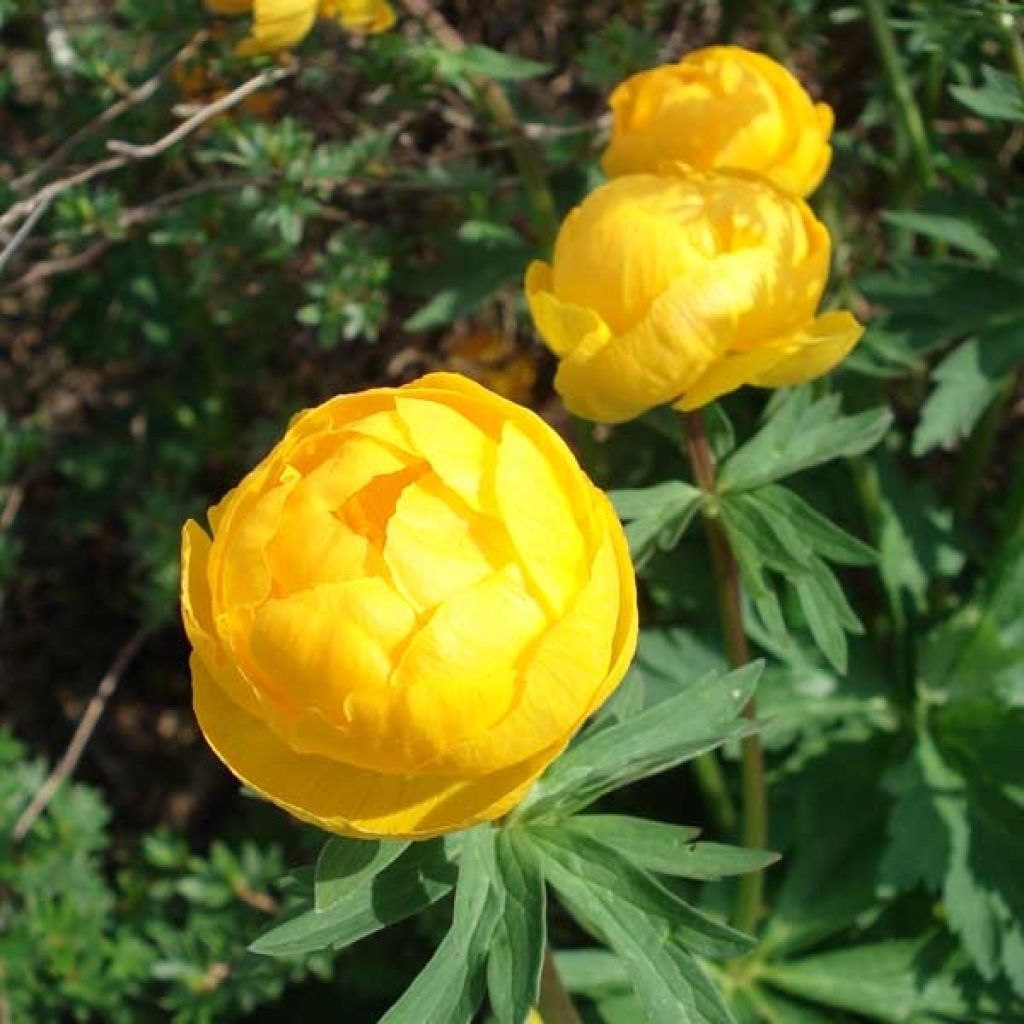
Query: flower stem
[(899, 85), (754, 831), (555, 1005), (494, 99), (1012, 41)]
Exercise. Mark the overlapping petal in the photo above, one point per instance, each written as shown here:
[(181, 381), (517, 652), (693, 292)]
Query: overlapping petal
[(413, 601), (685, 286), (721, 108)]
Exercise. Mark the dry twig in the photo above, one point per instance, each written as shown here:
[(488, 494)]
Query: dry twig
[(133, 98), (79, 741), (29, 210)]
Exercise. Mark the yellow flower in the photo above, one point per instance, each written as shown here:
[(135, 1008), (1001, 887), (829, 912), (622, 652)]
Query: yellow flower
[(721, 108), (282, 24), (680, 289), (406, 610)]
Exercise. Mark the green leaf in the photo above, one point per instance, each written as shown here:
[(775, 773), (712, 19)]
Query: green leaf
[(819, 533), (831, 864), (657, 516), (346, 864), (647, 927), (676, 730), (954, 231), (998, 98), (564, 848), (668, 849), (482, 60), (483, 258), (424, 874), (979, 650), (965, 786), (819, 611), (799, 435), (451, 987), (517, 949), (887, 981), (967, 381)]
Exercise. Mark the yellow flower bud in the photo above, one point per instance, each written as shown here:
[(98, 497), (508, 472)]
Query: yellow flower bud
[(721, 108), (282, 24), (680, 289), (406, 610)]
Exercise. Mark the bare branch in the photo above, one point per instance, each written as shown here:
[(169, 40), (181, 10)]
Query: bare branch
[(134, 97), (204, 114), (79, 741), (126, 153)]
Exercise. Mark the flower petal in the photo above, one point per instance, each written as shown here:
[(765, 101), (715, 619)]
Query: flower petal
[(345, 799)]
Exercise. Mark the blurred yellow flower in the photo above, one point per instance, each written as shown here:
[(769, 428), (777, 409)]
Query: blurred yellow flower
[(492, 359), (680, 289), (721, 108), (406, 610), (282, 24)]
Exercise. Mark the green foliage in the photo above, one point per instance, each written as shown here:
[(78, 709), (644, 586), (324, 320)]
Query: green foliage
[(161, 323), (162, 938)]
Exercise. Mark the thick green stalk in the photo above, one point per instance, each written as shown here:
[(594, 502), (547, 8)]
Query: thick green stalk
[(899, 85), (754, 833)]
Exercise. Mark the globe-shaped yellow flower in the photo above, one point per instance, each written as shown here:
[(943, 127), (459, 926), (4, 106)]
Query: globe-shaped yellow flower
[(721, 108), (282, 24), (678, 289), (406, 610)]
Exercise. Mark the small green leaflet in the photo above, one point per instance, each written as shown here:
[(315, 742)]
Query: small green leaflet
[(517, 948), (650, 929), (451, 987), (656, 517), (802, 433), (772, 529), (346, 864), (961, 793), (424, 874), (676, 730), (998, 98), (668, 849), (966, 383)]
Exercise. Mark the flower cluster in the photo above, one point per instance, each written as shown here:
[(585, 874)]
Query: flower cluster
[(281, 24), (699, 267)]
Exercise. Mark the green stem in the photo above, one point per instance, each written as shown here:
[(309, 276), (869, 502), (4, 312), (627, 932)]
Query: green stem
[(554, 1004), (899, 86), (527, 159), (975, 457), (754, 833), (712, 784), (1012, 42), (1012, 532), (772, 31)]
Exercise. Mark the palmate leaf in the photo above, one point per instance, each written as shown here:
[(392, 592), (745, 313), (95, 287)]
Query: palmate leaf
[(520, 935), (799, 435), (650, 929), (656, 517), (668, 849), (705, 715), (425, 873), (998, 98), (346, 864), (961, 793), (966, 383), (773, 530), (451, 987), (895, 980)]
